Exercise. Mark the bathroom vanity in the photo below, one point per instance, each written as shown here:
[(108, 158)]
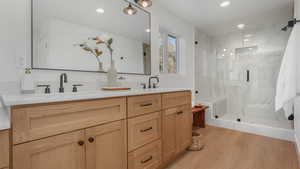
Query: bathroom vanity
[(145, 129)]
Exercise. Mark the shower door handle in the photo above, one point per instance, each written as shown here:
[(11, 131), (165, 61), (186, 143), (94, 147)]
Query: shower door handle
[(248, 75)]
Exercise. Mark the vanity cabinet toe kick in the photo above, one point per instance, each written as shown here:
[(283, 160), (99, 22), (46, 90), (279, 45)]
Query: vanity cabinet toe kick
[(134, 132)]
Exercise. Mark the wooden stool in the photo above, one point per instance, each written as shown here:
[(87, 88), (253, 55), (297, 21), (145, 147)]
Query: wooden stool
[(199, 116)]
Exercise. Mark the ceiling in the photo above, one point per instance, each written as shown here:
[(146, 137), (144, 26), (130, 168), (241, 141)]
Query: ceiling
[(208, 16), (79, 12)]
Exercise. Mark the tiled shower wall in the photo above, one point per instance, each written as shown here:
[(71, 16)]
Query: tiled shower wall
[(224, 66)]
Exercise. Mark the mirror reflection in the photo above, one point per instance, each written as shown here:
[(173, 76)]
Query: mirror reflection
[(82, 35)]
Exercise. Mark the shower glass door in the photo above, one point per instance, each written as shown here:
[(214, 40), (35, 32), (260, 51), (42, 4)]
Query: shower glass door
[(247, 66)]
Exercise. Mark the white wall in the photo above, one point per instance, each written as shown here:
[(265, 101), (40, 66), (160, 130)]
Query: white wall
[(15, 46), (57, 48), (297, 101)]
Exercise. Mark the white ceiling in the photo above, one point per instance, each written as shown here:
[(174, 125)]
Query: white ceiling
[(208, 16), (83, 12)]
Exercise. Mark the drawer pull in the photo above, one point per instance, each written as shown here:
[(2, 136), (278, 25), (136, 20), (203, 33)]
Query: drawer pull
[(147, 129), (147, 160), (146, 105), (180, 112), (81, 143)]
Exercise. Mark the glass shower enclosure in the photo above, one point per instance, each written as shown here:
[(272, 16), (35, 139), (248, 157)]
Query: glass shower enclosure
[(247, 65)]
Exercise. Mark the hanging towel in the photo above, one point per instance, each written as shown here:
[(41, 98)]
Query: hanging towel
[(286, 89)]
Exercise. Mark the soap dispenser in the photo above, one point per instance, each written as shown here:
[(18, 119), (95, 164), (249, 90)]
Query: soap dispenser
[(27, 83)]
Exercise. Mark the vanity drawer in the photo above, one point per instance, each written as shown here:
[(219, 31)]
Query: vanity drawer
[(147, 157), (176, 99), (4, 149), (143, 130), (138, 105), (38, 121)]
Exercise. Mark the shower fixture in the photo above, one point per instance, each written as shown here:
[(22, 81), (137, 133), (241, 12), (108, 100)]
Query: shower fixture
[(290, 24)]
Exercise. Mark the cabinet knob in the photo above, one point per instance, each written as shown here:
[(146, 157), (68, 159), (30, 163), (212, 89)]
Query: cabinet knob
[(81, 143), (91, 139)]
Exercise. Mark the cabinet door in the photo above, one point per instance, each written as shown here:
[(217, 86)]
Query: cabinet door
[(65, 151), (169, 134), (184, 123), (107, 146), (4, 149)]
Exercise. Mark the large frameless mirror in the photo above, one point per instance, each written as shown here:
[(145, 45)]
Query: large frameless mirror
[(81, 36)]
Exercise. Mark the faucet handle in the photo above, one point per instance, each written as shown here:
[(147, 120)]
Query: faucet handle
[(47, 88), (155, 85), (144, 85), (75, 87)]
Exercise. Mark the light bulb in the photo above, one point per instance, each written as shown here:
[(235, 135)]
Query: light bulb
[(130, 10), (144, 3)]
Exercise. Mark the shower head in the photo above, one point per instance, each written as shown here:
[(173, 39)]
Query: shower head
[(290, 24)]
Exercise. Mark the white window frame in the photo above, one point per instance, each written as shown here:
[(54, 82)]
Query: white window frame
[(165, 36)]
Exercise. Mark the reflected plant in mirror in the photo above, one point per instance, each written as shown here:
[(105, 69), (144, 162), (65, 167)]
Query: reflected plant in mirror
[(94, 51)]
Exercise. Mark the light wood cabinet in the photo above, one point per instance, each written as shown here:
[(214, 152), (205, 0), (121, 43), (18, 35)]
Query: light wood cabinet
[(184, 128), (4, 149), (106, 146), (147, 157), (177, 131), (139, 105), (57, 152), (33, 122), (169, 135), (100, 147), (149, 131), (170, 100), (143, 130)]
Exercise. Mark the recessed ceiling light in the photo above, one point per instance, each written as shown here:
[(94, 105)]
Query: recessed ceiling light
[(224, 49), (241, 26), (225, 4), (100, 10), (148, 30)]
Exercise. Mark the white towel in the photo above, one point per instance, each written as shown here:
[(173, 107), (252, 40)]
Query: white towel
[(286, 89)]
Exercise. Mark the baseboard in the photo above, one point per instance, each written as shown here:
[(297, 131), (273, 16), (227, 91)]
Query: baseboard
[(277, 133), (297, 145)]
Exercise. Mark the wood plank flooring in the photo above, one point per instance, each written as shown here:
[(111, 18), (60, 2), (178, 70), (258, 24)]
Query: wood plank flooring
[(228, 149)]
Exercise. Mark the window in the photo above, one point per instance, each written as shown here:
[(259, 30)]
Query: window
[(168, 53)]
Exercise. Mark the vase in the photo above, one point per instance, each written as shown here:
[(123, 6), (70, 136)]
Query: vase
[(100, 66), (112, 75)]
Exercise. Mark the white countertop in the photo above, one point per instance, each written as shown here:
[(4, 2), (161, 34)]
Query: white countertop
[(24, 99), (9, 100)]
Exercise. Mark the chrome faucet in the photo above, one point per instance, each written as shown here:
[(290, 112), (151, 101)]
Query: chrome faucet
[(155, 85), (63, 79)]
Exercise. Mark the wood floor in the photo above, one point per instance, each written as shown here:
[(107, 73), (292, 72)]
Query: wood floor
[(228, 149)]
